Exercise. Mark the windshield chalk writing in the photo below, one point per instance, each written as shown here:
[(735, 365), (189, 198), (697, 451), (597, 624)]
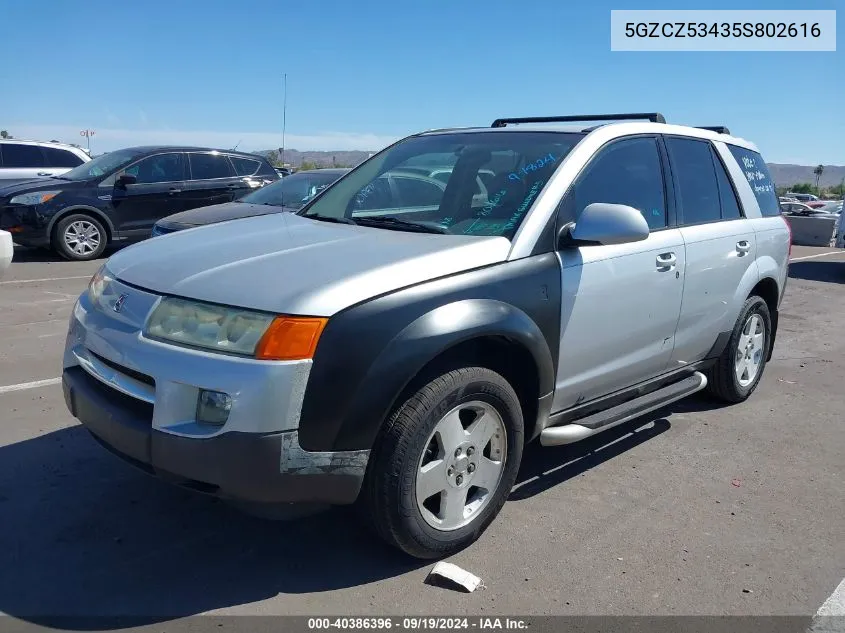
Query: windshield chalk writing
[(492, 203), (529, 198), (532, 166)]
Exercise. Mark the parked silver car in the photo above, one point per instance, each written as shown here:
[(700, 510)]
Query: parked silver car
[(30, 160), (401, 354)]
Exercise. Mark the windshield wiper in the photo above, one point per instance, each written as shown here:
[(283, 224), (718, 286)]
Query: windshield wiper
[(330, 218), (389, 221)]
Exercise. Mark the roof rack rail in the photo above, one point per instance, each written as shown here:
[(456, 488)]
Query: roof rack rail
[(654, 117), (719, 129)]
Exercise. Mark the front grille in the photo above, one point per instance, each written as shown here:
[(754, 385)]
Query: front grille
[(147, 380)]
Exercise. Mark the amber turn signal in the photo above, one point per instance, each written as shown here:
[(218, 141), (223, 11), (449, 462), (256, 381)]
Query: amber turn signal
[(290, 338)]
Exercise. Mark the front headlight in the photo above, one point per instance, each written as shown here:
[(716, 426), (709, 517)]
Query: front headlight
[(35, 198), (233, 330), (97, 284)]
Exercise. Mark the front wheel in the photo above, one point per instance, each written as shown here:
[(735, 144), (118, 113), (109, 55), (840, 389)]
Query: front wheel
[(445, 463), (738, 370), (80, 237)]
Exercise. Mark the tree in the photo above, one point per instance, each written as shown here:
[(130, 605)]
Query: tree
[(802, 187), (818, 171), (273, 157), (307, 164), (5, 134)]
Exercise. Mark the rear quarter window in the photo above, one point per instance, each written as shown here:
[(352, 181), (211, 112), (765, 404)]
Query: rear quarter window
[(757, 174)]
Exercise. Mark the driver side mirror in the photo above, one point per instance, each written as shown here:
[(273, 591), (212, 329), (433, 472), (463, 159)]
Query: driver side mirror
[(603, 223), (124, 180)]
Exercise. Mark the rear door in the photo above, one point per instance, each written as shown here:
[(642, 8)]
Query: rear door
[(620, 303), (156, 194), (212, 180), (720, 246), (57, 160), (20, 162)]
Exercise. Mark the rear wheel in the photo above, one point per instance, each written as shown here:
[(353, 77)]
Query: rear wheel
[(80, 237), (738, 370), (445, 463)]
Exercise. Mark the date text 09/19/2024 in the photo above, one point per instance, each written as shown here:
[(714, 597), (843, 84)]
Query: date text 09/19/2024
[(417, 623)]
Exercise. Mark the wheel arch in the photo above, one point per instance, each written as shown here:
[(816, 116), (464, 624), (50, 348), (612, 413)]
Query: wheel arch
[(468, 331), (769, 291), (84, 210)]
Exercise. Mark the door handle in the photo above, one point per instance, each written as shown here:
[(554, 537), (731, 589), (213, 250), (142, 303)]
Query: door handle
[(44, 173), (742, 247), (666, 261), (174, 190)]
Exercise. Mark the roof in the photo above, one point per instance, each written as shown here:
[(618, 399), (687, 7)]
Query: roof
[(185, 148), (27, 141), (620, 128)]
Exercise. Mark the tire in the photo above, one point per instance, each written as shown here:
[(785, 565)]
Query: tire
[(723, 379), (416, 435), (90, 233)]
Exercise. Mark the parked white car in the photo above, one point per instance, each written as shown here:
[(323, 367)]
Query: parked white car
[(7, 250), (28, 160)]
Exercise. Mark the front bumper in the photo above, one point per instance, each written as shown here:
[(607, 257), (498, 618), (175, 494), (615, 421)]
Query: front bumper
[(249, 467), (27, 226), (138, 398), (7, 251)]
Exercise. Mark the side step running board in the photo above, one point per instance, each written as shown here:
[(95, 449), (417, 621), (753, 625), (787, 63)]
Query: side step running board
[(603, 420)]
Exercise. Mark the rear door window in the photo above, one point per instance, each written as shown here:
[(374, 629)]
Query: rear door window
[(56, 157), (757, 174), (15, 155), (727, 195), (245, 166), (698, 191), (207, 166)]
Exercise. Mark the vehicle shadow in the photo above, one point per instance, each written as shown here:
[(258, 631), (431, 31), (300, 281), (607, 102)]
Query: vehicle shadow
[(827, 271), (45, 255), (90, 543), (545, 467)]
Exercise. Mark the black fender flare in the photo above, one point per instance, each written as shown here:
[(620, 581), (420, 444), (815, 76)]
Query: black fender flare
[(361, 408), (102, 217)]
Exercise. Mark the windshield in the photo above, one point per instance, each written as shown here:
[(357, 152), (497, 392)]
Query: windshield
[(470, 183), (293, 191), (101, 165)]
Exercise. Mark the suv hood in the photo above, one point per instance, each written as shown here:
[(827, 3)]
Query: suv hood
[(218, 213), (287, 264), (40, 184)]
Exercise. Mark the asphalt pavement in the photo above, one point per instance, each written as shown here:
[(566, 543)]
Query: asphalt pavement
[(696, 509)]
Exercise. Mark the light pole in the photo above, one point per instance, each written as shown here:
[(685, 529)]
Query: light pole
[(87, 134), (284, 116)]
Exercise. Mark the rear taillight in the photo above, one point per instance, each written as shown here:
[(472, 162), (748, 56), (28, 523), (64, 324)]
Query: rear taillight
[(789, 229)]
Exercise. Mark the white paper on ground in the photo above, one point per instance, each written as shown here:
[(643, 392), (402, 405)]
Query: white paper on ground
[(456, 575)]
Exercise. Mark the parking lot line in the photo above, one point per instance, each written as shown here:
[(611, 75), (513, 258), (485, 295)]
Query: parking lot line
[(798, 259), (30, 385), (32, 281)]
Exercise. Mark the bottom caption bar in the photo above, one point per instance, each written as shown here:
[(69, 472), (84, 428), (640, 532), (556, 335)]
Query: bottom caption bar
[(534, 624)]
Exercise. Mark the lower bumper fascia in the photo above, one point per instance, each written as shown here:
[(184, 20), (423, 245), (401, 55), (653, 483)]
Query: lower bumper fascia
[(248, 467)]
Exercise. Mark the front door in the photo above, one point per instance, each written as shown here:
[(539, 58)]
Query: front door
[(155, 194), (620, 303)]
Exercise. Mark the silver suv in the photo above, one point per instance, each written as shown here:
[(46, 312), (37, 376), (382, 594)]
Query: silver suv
[(399, 351), (30, 160)]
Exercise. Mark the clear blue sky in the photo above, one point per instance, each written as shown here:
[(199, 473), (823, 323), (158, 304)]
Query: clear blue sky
[(363, 73)]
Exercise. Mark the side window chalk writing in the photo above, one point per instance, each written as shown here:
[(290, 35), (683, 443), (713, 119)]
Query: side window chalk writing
[(757, 174)]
